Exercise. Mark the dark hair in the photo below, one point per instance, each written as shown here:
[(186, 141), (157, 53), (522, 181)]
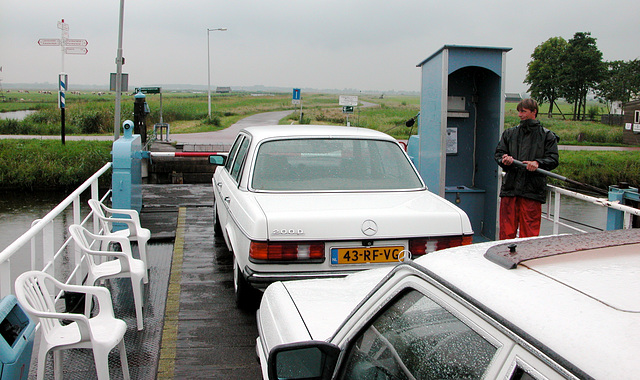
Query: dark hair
[(529, 104)]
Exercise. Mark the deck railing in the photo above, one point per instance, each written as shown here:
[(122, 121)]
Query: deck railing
[(554, 194), (40, 239)]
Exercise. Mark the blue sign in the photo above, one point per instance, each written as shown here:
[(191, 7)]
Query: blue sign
[(296, 94)]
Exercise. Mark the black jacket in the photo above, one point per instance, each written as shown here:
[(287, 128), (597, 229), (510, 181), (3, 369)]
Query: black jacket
[(528, 141)]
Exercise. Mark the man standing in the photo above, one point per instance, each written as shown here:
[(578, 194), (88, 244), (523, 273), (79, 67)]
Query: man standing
[(523, 189)]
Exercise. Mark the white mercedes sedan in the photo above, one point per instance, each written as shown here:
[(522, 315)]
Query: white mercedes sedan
[(299, 202), (560, 307)]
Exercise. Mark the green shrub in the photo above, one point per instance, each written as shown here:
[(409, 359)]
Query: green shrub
[(10, 127), (600, 168), (90, 121), (214, 121), (47, 164)]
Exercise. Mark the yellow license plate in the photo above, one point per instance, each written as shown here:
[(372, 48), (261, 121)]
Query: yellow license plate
[(364, 255)]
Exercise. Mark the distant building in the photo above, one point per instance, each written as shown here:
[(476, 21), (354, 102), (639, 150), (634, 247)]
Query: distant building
[(617, 107), (631, 133), (223, 90), (512, 97)]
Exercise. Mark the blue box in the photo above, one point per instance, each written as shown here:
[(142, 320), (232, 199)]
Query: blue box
[(17, 333)]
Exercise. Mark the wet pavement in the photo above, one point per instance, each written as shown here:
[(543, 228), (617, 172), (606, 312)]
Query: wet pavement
[(206, 336)]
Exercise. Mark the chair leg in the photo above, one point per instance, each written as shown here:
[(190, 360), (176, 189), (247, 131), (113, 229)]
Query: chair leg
[(101, 359), (57, 364), (136, 285), (142, 248), (123, 360), (42, 358), (88, 303)]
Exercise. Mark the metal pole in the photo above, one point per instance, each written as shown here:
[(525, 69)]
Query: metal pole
[(116, 122), (563, 178), (209, 68), (208, 74)]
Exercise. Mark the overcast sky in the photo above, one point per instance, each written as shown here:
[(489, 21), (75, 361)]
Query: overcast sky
[(324, 44)]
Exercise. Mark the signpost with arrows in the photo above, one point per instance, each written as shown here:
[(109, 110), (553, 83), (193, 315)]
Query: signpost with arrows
[(67, 46)]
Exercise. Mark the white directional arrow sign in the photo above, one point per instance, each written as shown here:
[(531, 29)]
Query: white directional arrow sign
[(49, 42), (75, 50), (69, 45), (75, 42)]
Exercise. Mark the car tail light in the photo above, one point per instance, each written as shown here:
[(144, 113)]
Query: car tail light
[(421, 246), (280, 251)]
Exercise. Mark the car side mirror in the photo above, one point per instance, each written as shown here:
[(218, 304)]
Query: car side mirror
[(303, 360), (217, 159)]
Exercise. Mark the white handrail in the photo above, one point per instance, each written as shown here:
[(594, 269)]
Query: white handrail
[(603, 202), (46, 227)]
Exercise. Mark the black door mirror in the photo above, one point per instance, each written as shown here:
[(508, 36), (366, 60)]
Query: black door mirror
[(217, 159), (303, 360)]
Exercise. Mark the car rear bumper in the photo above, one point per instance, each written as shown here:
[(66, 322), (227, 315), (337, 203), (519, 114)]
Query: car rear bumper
[(260, 280)]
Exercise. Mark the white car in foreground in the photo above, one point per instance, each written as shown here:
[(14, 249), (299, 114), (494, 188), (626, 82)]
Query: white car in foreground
[(296, 202), (547, 308)]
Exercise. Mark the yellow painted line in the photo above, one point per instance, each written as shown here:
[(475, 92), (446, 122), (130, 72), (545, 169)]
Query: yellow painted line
[(166, 365)]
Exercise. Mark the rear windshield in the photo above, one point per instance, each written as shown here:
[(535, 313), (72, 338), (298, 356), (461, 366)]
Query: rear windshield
[(322, 164)]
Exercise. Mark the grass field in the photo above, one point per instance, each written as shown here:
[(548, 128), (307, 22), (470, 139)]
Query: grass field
[(89, 113), (92, 113)]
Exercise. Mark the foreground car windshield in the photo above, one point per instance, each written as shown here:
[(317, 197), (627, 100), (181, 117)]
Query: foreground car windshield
[(332, 164)]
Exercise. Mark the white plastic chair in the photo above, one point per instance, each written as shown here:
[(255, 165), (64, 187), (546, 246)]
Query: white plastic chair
[(134, 230), (124, 264), (36, 290)]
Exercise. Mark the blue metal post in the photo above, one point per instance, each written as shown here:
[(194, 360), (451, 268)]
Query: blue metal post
[(615, 218), (127, 172)]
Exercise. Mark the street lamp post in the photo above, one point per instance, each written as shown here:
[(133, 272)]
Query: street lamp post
[(209, 66), (119, 62)]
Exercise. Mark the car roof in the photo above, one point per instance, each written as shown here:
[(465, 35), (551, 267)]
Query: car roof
[(580, 303), (573, 297), (331, 131)]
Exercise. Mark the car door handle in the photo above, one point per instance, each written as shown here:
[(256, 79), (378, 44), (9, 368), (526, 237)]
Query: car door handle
[(219, 184), (227, 199)]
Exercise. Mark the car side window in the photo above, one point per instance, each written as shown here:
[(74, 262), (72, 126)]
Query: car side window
[(416, 338), (239, 160), (232, 153)]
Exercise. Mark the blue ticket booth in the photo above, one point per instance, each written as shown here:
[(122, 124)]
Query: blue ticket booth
[(461, 120)]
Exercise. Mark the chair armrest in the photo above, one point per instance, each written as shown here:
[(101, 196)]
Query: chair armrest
[(80, 319), (132, 224), (133, 214), (102, 294), (122, 240), (125, 256)]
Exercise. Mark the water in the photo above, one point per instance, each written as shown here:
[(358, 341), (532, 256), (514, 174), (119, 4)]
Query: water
[(17, 115), (18, 210), (580, 214)]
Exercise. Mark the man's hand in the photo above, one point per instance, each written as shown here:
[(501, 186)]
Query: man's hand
[(532, 166), (507, 160)]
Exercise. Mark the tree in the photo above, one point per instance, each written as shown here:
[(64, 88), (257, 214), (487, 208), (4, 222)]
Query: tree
[(621, 81), (582, 70), (545, 71)]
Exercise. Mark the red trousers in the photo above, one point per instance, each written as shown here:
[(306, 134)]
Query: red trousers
[(518, 212)]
